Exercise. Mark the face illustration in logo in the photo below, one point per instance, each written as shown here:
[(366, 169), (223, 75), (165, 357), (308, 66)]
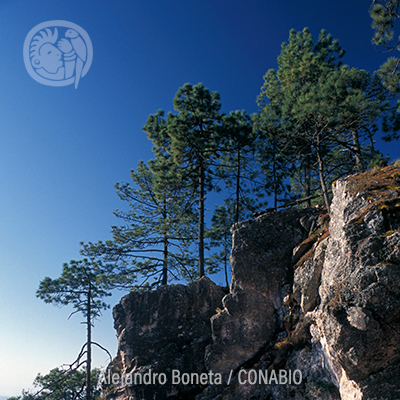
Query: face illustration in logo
[(56, 62), (45, 57), (50, 58)]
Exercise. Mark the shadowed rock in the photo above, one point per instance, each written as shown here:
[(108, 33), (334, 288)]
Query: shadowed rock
[(161, 331)]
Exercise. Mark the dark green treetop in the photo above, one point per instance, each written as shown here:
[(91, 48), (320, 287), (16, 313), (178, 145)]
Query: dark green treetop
[(384, 14), (73, 286), (320, 106)]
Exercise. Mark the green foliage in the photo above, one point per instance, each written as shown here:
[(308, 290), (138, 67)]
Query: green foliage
[(295, 99), (25, 396), (194, 137), (61, 384), (79, 279), (378, 161), (237, 166), (155, 239), (384, 14), (317, 114), (194, 132)]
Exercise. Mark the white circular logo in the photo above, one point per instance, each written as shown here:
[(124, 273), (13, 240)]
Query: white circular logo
[(58, 53)]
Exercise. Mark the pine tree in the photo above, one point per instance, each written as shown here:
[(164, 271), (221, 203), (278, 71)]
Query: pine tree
[(272, 157), (320, 107), (194, 139), (155, 240), (237, 166), (82, 284), (62, 384), (384, 14)]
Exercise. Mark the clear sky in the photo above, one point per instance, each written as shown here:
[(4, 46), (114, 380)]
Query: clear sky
[(62, 149)]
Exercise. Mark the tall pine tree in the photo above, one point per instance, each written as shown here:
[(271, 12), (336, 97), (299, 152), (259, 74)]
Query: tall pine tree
[(194, 135), (153, 244)]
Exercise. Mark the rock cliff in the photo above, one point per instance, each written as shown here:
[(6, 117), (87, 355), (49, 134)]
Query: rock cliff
[(313, 310)]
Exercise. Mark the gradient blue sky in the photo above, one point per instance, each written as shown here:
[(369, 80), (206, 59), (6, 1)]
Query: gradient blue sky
[(63, 149)]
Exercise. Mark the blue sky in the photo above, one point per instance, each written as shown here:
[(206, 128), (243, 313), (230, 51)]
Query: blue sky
[(62, 149)]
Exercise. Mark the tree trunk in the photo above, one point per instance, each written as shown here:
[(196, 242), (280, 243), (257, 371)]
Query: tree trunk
[(274, 182), (165, 261), (237, 187), (225, 257), (307, 181), (357, 151), (88, 344), (201, 219), (165, 250), (322, 179)]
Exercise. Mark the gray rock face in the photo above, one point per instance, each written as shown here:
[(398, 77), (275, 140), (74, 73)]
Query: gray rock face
[(161, 331), (359, 317), (308, 299), (307, 276), (261, 278)]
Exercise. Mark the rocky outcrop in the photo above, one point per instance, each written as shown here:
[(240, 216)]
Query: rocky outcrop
[(160, 332), (261, 278), (262, 333), (313, 310), (358, 321)]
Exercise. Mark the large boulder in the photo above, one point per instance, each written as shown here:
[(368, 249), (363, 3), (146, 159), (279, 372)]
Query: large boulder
[(161, 331), (261, 277)]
